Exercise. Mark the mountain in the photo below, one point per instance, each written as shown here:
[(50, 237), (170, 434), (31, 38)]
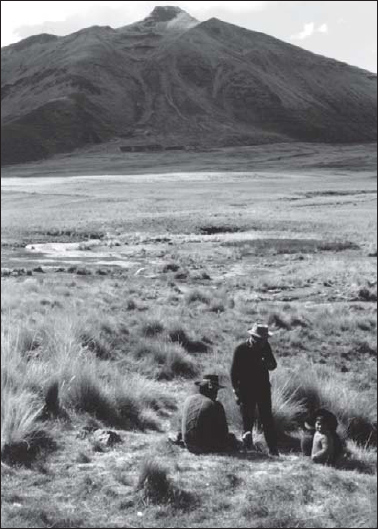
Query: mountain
[(173, 82)]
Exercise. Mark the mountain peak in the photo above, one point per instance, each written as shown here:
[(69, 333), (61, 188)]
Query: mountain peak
[(167, 19), (166, 13)]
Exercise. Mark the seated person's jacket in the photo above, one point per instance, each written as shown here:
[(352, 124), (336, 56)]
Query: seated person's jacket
[(204, 425)]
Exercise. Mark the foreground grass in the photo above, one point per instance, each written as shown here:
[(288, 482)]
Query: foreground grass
[(147, 483), (129, 368)]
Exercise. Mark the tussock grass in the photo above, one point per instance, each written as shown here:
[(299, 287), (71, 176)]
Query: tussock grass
[(281, 321), (217, 306), (164, 360), (104, 335), (288, 408), (372, 252), (86, 383), (299, 391), (157, 486), (130, 403), (366, 293), (359, 458), (23, 437), (198, 295), (335, 270), (19, 423), (309, 387), (177, 334), (86, 394), (171, 267), (151, 328), (155, 482)]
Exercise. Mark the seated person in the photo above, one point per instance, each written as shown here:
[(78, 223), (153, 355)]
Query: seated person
[(323, 445), (322, 442), (204, 425)]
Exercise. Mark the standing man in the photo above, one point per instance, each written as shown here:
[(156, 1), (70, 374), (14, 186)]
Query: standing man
[(250, 368)]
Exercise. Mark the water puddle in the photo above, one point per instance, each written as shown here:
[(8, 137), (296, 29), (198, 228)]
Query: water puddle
[(92, 253)]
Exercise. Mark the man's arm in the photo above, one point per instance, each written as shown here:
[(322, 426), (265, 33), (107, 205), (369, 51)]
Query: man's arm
[(268, 358), (235, 370)]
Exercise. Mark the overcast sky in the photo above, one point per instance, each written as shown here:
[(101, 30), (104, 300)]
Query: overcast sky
[(346, 31)]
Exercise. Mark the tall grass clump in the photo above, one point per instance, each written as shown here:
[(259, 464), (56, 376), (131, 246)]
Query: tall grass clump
[(198, 295), (19, 414), (312, 387), (359, 458), (164, 360), (130, 402), (23, 437), (102, 335), (177, 334), (85, 393), (154, 482), (85, 383), (288, 408), (151, 328), (157, 486)]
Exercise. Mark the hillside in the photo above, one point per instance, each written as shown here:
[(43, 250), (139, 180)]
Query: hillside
[(166, 80)]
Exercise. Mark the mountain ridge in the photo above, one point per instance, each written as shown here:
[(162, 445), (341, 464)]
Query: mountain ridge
[(171, 80)]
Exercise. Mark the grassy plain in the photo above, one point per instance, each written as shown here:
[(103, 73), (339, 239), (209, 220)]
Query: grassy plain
[(154, 268)]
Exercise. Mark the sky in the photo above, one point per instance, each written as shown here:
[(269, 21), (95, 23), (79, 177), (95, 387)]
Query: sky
[(346, 31)]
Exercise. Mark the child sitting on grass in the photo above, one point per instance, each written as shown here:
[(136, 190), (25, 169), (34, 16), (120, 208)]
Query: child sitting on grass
[(321, 441), (323, 445)]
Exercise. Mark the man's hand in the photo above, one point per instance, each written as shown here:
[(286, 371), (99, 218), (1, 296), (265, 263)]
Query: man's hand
[(237, 397)]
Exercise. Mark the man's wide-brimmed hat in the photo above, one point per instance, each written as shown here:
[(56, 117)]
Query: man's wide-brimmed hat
[(260, 331), (212, 381)]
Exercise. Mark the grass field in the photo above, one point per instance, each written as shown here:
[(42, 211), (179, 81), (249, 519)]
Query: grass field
[(126, 276)]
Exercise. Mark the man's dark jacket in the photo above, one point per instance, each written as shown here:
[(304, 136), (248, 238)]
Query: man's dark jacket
[(204, 425), (250, 368)]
